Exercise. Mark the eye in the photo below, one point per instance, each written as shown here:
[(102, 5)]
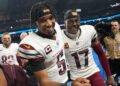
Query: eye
[(70, 21), (77, 20), (42, 20)]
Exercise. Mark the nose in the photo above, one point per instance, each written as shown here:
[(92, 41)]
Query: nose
[(49, 22), (74, 23)]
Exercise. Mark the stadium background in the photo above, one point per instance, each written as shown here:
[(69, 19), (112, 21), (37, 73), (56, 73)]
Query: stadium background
[(14, 15)]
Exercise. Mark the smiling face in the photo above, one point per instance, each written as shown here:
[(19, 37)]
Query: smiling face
[(72, 21), (115, 26), (43, 18), (72, 25), (45, 25), (6, 40)]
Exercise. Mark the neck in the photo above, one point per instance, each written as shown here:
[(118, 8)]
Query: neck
[(73, 36), (6, 45)]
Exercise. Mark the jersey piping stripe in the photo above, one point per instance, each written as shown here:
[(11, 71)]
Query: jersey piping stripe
[(28, 52)]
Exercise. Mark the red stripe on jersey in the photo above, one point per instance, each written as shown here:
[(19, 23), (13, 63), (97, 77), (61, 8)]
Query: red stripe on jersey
[(27, 46), (103, 59)]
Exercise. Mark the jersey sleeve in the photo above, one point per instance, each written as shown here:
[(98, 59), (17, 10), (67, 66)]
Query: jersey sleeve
[(16, 46), (94, 33), (35, 59), (28, 52)]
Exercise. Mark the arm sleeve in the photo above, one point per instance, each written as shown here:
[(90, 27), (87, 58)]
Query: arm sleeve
[(94, 33), (103, 59), (36, 65), (35, 58)]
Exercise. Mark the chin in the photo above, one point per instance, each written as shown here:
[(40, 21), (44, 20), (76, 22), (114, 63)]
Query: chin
[(75, 32)]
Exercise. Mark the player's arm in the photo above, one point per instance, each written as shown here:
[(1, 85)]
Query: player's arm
[(101, 55), (39, 70), (3, 81), (36, 63), (41, 75), (103, 60), (98, 49)]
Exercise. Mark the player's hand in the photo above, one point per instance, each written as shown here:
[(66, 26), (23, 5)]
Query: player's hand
[(111, 81), (81, 82)]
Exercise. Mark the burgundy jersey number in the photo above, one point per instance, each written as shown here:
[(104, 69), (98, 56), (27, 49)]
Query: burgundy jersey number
[(76, 57), (61, 63)]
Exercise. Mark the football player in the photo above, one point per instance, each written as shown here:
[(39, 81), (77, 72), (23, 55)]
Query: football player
[(44, 49), (8, 50), (11, 73), (78, 41)]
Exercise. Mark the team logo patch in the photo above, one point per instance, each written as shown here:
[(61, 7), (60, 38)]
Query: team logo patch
[(48, 49), (66, 45)]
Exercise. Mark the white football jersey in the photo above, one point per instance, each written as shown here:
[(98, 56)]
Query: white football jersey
[(8, 55), (51, 50), (79, 54)]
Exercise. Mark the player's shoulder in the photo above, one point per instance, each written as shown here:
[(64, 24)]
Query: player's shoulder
[(87, 27), (26, 46), (27, 43), (62, 31), (31, 42), (14, 44), (27, 50), (57, 27), (28, 39), (1, 47)]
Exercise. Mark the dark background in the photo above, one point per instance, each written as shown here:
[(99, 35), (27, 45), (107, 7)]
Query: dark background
[(14, 14)]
